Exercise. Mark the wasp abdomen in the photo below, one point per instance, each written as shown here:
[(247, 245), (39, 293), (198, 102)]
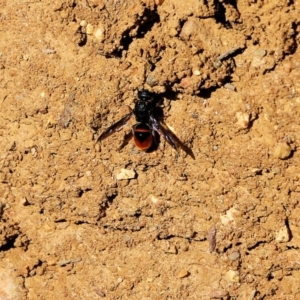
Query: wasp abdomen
[(143, 136)]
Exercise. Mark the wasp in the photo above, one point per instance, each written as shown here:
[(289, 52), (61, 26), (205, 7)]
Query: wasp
[(149, 123)]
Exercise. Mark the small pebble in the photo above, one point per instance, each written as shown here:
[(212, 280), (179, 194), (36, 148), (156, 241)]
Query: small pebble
[(188, 29), (173, 32), (151, 81), (100, 293), (234, 255), (243, 119), (282, 151), (33, 151), (283, 235), (232, 276), (183, 274), (89, 29), (230, 86), (83, 23), (217, 64), (99, 34), (258, 58), (126, 174), (260, 53), (229, 216)]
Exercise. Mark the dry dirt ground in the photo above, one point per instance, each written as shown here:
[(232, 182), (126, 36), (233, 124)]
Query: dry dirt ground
[(224, 225)]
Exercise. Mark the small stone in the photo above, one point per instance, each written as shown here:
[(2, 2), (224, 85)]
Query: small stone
[(173, 32), (234, 255), (197, 72), (183, 273), (260, 53), (100, 293), (185, 82), (83, 23), (189, 28), (126, 174), (229, 217), (151, 81), (89, 29), (282, 151), (229, 86), (99, 33), (33, 151), (232, 276), (243, 119), (258, 59), (283, 235), (217, 64)]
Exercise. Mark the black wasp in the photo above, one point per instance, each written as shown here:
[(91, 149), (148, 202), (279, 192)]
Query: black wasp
[(149, 124)]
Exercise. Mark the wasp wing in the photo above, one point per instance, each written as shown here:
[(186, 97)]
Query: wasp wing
[(160, 127), (115, 127)]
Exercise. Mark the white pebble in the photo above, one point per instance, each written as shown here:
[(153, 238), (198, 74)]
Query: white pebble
[(83, 23), (126, 174), (232, 276), (282, 151), (89, 29), (283, 235), (99, 33), (243, 119)]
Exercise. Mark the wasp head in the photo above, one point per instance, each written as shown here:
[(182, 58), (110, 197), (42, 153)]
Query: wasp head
[(145, 96)]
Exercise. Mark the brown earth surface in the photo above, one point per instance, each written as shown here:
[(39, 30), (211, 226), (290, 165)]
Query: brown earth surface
[(223, 226)]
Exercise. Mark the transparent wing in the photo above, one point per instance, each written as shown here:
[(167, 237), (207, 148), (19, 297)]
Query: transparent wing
[(169, 136), (115, 127)]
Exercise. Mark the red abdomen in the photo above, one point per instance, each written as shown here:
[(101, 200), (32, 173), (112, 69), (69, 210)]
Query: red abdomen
[(142, 136)]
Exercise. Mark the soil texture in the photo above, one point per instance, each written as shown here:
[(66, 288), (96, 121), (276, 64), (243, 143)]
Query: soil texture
[(80, 219)]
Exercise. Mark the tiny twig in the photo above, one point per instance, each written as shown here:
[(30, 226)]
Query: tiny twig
[(228, 53), (212, 239)]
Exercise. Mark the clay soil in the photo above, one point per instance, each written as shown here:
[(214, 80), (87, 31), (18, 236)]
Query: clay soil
[(221, 225)]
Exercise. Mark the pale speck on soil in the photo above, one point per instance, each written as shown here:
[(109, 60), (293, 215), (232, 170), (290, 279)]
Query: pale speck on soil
[(81, 220)]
